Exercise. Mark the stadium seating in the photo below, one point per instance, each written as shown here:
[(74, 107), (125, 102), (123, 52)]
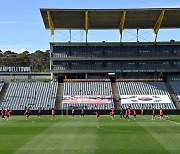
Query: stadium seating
[(37, 94), (176, 88), (145, 88), (89, 89)]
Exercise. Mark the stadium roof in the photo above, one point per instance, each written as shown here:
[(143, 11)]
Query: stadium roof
[(111, 18)]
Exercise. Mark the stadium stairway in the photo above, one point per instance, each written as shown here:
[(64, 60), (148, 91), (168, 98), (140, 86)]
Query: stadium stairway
[(173, 97), (59, 96), (115, 95), (3, 92)]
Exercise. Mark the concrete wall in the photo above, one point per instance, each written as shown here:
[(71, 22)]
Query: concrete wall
[(7, 78)]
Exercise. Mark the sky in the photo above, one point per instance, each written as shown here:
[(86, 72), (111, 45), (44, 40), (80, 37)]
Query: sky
[(22, 28)]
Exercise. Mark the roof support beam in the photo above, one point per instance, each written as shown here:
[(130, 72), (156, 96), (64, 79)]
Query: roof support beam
[(158, 24), (121, 26), (86, 24), (51, 25)]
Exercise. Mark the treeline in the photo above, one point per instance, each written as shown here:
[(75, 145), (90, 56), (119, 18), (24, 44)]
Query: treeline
[(38, 61)]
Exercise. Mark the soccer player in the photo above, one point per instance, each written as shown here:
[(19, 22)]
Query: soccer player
[(53, 112), (153, 114), (142, 111), (134, 114), (27, 113), (3, 114), (97, 115), (7, 114), (127, 114), (39, 112), (121, 112), (72, 112), (129, 111), (10, 112), (161, 113), (82, 112), (112, 113)]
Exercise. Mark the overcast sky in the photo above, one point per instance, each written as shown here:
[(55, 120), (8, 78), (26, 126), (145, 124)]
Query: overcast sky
[(22, 28)]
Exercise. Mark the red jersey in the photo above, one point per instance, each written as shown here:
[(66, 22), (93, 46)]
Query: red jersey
[(126, 112), (82, 111), (28, 111), (142, 110), (53, 112), (7, 113), (97, 114), (129, 111), (153, 112), (73, 110), (113, 111), (39, 111), (10, 112), (161, 112), (2, 112), (134, 112)]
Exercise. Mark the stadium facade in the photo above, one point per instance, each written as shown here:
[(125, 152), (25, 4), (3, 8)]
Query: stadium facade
[(86, 60)]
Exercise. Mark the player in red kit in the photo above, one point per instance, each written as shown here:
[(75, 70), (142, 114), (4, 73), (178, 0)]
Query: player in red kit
[(27, 113), (7, 114), (153, 114), (142, 111), (127, 114), (97, 115), (53, 112), (161, 113), (39, 112), (10, 113), (129, 111), (3, 114), (72, 112), (134, 114), (112, 113), (82, 112)]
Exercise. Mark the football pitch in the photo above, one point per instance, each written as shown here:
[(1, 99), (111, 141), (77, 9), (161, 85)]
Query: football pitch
[(87, 135)]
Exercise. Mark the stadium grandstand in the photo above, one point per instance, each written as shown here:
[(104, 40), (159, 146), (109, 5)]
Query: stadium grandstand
[(103, 75)]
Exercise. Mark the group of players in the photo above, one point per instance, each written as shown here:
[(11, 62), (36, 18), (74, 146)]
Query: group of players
[(6, 114), (125, 114)]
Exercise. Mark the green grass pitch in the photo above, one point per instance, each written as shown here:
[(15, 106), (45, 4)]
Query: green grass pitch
[(68, 135)]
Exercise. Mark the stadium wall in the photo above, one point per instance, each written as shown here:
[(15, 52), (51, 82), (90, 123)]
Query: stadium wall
[(7, 78), (91, 112)]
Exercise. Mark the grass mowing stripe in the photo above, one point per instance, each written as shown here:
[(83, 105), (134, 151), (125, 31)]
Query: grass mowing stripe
[(15, 133), (131, 138), (167, 134), (70, 135)]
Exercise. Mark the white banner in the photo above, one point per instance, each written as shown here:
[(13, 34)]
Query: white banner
[(130, 99)]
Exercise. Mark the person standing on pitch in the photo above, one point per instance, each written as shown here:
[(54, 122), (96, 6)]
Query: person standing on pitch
[(39, 112), (97, 115), (10, 113), (129, 111), (53, 112), (3, 114), (142, 111), (7, 114), (82, 112), (161, 113), (112, 113), (121, 112), (72, 112), (27, 113), (153, 114), (134, 114), (127, 114)]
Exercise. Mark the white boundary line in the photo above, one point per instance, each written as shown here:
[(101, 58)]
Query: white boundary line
[(174, 122)]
